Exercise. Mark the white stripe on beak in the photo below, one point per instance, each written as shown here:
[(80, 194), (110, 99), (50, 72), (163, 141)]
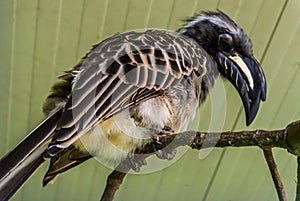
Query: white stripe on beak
[(243, 67)]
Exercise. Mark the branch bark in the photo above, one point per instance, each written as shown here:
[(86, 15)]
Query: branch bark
[(288, 138), (114, 180), (275, 174)]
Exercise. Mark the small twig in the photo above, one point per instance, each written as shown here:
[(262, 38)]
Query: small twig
[(275, 174), (114, 180)]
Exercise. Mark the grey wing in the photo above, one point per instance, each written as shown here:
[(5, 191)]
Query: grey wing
[(123, 71)]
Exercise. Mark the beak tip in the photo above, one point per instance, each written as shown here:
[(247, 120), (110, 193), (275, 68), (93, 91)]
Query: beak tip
[(249, 121), (251, 114)]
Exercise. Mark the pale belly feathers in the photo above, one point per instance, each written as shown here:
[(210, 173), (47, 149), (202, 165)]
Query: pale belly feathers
[(113, 139)]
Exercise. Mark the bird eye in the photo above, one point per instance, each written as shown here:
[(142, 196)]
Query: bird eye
[(225, 42)]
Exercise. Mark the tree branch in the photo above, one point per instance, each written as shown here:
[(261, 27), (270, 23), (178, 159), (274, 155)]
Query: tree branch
[(113, 182), (275, 174), (288, 138)]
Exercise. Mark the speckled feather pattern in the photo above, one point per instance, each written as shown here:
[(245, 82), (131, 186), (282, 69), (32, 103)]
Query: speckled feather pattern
[(117, 70)]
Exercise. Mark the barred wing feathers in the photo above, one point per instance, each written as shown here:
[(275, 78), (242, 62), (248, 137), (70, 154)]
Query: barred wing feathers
[(122, 71)]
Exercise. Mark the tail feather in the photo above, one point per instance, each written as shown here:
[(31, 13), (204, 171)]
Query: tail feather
[(13, 183), (18, 165)]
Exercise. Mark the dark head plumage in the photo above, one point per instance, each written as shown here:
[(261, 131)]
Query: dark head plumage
[(232, 49)]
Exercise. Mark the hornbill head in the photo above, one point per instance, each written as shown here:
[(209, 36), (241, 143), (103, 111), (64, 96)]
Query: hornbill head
[(232, 50)]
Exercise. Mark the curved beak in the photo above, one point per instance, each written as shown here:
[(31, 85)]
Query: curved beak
[(247, 77)]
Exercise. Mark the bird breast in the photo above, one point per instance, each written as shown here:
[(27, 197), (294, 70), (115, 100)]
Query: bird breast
[(121, 134)]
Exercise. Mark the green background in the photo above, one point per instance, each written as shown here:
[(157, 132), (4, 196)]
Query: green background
[(41, 38)]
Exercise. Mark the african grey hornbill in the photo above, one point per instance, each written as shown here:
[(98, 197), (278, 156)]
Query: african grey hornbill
[(131, 87)]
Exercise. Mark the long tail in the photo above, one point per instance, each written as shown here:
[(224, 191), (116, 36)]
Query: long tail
[(18, 165)]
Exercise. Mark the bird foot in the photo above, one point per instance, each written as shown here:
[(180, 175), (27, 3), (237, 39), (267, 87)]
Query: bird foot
[(166, 154), (136, 162), (161, 149)]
